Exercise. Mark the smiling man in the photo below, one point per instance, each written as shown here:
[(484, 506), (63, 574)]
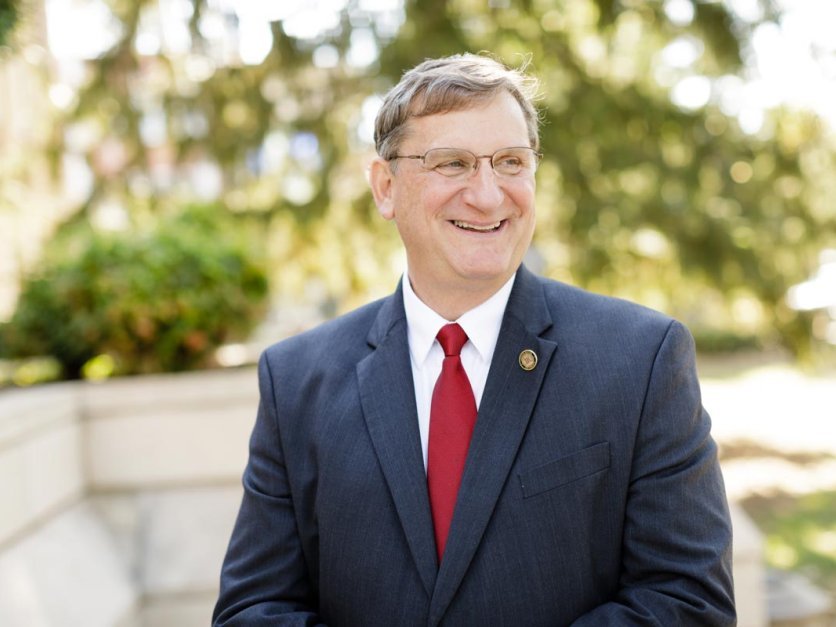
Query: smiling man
[(466, 221), (483, 447)]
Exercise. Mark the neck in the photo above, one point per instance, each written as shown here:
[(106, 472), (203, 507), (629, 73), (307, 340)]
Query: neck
[(451, 302)]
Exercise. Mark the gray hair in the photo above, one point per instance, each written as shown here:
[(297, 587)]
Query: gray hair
[(451, 84)]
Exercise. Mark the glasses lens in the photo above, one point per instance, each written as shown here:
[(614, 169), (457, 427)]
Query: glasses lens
[(450, 161), (511, 161)]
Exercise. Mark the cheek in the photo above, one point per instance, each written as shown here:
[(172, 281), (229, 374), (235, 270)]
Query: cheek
[(435, 198), (424, 205), (523, 197)]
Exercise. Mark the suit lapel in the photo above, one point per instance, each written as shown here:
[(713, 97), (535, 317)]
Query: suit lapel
[(506, 407), (388, 399)]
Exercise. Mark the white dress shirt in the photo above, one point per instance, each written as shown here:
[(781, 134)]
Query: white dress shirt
[(481, 325)]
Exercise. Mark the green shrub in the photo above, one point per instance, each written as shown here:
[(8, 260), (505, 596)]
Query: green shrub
[(8, 17), (713, 340), (156, 301)]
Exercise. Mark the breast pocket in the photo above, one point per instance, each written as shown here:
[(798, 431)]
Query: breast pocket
[(567, 469)]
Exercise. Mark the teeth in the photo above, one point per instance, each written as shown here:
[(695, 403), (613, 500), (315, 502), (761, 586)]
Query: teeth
[(473, 227)]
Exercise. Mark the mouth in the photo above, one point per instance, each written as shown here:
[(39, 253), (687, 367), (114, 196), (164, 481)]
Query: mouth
[(478, 228)]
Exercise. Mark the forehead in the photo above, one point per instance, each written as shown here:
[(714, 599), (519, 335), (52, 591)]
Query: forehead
[(495, 123)]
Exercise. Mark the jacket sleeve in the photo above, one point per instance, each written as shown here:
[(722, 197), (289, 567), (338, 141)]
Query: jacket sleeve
[(676, 546), (265, 579)]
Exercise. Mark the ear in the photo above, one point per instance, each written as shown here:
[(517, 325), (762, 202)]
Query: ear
[(381, 180)]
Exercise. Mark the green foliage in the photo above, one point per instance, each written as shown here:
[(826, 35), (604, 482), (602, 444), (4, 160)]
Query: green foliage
[(676, 207), (800, 532), (8, 18), (721, 341), (638, 197), (159, 300)]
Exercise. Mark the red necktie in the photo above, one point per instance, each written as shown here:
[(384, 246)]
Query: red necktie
[(452, 416)]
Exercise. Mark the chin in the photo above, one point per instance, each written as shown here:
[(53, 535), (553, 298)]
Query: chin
[(486, 275), (487, 266)]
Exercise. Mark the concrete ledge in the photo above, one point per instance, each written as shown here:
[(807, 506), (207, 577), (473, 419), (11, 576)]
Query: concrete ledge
[(140, 395), (193, 610), (749, 580), (25, 412), (173, 540), (67, 573), (40, 456), (168, 447), (169, 430)]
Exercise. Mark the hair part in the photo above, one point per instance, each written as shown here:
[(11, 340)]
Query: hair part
[(450, 84)]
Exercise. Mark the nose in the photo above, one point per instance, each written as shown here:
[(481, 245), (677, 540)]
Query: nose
[(482, 188)]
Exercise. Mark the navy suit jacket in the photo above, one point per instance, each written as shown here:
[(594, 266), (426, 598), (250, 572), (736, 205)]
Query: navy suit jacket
[(591, 493)]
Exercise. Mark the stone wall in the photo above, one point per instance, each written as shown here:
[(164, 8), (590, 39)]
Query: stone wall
[(117, 500)]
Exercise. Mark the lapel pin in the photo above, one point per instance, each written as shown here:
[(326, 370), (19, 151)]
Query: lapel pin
[(528, 359)]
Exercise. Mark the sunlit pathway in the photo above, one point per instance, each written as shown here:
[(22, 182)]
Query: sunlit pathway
[(776, 427)]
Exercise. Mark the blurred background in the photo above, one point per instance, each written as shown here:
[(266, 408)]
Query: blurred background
[(182, 182)]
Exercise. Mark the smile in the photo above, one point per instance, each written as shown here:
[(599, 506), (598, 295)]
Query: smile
[(487, 228)]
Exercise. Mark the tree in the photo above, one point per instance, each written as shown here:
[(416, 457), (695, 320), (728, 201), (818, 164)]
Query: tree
[(676, 207), (8, 18), (673, 205)]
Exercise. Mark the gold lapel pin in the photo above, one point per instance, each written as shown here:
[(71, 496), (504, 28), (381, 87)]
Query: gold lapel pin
[(528, 359)]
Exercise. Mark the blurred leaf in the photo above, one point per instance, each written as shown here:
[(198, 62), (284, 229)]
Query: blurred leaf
[(151, 301), (740, 216), (8, 18)]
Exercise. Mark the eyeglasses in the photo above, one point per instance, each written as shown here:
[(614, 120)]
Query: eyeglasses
[(458, 163)]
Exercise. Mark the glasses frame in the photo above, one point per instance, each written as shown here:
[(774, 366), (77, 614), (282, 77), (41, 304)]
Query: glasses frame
[(462, 175)]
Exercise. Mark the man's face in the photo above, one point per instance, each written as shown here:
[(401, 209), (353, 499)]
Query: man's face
[(465, 234)]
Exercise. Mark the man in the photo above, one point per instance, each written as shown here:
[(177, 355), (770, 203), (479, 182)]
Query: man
[(586, 490)]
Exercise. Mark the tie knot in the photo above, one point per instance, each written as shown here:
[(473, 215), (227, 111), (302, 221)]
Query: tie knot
[(451, 337)]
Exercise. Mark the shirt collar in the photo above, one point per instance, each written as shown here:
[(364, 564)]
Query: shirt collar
[(481, 324)]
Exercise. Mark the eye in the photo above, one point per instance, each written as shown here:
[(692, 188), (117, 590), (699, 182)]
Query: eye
[(449, 161), (453, 165), (509, 161), (514, 161)]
